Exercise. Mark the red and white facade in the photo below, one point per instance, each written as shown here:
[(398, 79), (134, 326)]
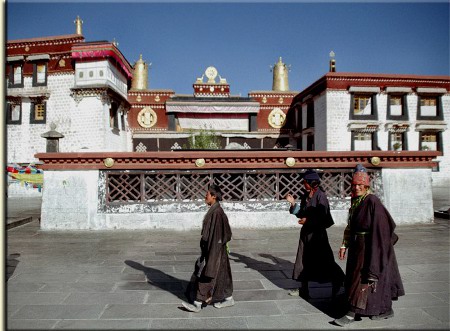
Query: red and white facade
[(81, 87), (364, 112)]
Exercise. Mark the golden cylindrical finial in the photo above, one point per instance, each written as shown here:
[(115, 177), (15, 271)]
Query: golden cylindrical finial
[(332, 62), (78, 23), (280, 77), (140, 75)]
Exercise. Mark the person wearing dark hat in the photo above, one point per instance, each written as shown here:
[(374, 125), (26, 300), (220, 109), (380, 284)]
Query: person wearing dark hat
[(315, 259), (372, 275)]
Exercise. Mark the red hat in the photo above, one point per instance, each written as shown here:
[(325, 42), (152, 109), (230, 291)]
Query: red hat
[(360, 176)]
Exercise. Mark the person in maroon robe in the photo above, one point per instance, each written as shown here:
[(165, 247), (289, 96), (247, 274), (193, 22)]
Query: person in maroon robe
[(212, 281), (315, 258), (372, 275)]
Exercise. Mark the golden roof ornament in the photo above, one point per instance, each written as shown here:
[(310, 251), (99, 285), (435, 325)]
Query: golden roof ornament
[(280, 76), (78, 23), (140, 75)]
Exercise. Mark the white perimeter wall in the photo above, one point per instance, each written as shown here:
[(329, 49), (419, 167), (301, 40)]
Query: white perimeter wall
[(71, 199)]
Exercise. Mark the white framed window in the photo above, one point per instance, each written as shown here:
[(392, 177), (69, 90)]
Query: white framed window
[(17, 76), (362, 105), (428, 106), (429, 141), (362, 141), (396, 105)]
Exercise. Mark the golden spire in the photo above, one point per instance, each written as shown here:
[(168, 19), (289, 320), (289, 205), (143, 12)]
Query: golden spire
[(140, 75), (78, 23), (280, 76)]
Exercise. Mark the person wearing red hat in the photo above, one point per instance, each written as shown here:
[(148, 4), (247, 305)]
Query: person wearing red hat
[(372, 275), (315, 258)]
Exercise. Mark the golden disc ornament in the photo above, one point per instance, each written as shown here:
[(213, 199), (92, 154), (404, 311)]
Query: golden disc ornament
[(200, 162), (290, 162), (108, 162)]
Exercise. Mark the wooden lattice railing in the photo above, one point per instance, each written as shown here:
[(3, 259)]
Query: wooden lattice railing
[(131, 187)]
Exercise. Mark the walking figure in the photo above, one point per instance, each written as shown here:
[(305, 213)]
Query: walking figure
[(315, 258), (212, 281)]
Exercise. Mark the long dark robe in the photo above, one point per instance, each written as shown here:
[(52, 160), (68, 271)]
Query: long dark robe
[(315, 258), (215, 282), (371, 255)]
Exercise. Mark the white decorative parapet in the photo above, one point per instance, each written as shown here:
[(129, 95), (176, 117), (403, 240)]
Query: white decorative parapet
[(76, 190)]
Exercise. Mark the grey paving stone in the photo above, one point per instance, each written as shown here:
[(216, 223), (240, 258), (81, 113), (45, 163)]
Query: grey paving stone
[(159, 310), (78, 287), (290, 322), (35, 324), (256, 308), (58, 312), (296, 306), (441, 313), (46, 277), (261, 295), (111, 277), (226, 323), (36, 298), (247, 285), (13, 286), (161, 296), (93, 269), (112, 324), (419, 300), (423, 287), (444, 296), (12, 309), (133, 297), (169, 286)]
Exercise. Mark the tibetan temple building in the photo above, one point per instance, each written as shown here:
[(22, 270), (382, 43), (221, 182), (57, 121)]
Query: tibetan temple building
[(93, 100)]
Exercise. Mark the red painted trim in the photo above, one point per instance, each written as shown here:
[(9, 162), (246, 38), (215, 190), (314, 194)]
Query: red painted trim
[(249, 159)]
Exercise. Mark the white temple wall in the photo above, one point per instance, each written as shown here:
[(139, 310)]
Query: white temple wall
[(71, 202), (338, 107), (407, 195)]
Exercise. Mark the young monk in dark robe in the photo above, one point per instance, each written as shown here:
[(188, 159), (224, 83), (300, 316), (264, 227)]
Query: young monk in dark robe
[(372, 276), (214, 283), (315, 258)]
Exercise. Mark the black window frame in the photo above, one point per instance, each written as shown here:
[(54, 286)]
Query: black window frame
[(373, 107), (439, 108), (11, 83), (310, 121), (405, 114), (114, 117), (9, 119), (33, 119), (35, 66)]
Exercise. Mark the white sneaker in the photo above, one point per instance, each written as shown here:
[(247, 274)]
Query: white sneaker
[(228, 302), (195, 308)]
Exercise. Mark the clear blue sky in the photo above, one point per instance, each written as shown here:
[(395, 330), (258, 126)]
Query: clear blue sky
[(243, 39)]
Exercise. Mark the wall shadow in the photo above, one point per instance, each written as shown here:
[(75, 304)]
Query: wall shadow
[(11, 264), (320, 293)]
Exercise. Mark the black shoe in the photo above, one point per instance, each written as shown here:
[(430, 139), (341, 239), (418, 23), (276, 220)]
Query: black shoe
[(344, 320), (384, 316)]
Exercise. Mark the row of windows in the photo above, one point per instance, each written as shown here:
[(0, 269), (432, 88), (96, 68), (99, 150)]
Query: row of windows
[(37, 113), (428, 140), (39, 74), (364, 107)]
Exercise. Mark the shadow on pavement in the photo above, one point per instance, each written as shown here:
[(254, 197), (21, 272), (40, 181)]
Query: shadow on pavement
[(11, 264), (333, 308), (162, 280)]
